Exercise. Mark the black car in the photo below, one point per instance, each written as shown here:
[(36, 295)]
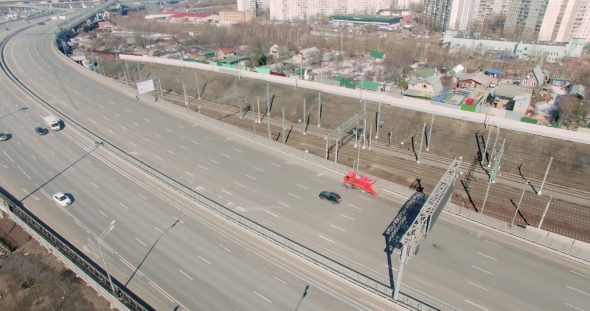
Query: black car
[(41, 131), (331, 196)]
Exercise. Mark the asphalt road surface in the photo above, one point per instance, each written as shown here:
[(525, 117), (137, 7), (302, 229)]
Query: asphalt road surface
[(456, 269), (200, 263)]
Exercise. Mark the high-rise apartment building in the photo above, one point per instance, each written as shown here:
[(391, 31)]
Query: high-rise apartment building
[(525, 17), (564, 20)]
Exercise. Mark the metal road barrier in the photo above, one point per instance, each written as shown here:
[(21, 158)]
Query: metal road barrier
[(71, 257)]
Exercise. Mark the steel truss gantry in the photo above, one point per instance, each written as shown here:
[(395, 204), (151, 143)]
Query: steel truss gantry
[(342, 131), (222, 100)]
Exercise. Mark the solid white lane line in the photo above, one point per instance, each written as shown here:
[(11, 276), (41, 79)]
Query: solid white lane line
[(169, 130), (141, 196), (346, 217), (190, 174), (11, 158), (146, 120), (281, 281), (157, 134), (112, 103), (33, 157), (225, 248), (250, 177), (171, 152), (157, 157), (588, 277), (294, 195), (183, 147), (469, 302), (123, 205), (146, 139), (225, 155), (577, 290), (92, 121), (202, 167), (194, 142), (354, 206), (51, 152), (162, 232), (238, 150), (186, 275), (302, 186), (326, 239), (262, 297), (111, 132), (487, 256), (226, 192), (135, 124), (207, 138), (238, 184), (275, 164), (105, 215), (477, 286), (272, 214), (180, 126), (213, 161), (337, 227), (492, 243), (259, 169), (362, 197), (133, 144), (94, 184), (567, 304), (205, 260), (283, 204), (138, 240), (123, 127), (482, 270), (117, 114), (105, 118), (178, 219)]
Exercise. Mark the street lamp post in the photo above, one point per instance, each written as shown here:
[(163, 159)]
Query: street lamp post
[(100, 238), (519, 202)]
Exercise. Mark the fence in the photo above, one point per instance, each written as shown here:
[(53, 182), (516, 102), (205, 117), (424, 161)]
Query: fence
[(555, 244)]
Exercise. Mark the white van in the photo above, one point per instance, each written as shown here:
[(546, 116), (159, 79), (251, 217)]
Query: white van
[(52, 123)]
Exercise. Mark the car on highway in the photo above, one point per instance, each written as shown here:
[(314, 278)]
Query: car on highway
[(41, 131), (333, 197), (62, 199), (3, 136)]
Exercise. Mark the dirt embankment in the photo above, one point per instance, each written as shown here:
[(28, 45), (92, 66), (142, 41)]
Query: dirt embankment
[(524, 154), (33, 279)]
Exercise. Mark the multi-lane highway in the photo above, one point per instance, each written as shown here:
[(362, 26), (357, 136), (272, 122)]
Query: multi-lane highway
[(202, 263), (457, 269)]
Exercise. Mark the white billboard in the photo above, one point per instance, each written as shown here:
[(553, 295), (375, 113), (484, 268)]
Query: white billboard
[(62, 17), (145, 86)]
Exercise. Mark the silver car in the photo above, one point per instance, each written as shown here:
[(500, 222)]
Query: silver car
[(3, 136)]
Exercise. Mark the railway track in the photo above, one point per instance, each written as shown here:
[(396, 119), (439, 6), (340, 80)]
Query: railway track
[(563, 218)]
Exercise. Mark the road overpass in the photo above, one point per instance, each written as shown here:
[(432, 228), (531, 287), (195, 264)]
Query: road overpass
[(459, 268)]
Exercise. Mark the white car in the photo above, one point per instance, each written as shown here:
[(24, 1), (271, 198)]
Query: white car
[(3, 136), (62, 199)]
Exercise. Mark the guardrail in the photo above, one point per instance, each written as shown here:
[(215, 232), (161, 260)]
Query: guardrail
[(68, 254)]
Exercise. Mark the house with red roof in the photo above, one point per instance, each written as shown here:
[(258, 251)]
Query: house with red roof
[(226, 52), (188, 17)]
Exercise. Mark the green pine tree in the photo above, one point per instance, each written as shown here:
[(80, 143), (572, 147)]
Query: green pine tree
[(258, 56)]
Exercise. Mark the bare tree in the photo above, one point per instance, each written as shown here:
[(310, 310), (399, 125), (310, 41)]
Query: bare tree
[(566, 107)]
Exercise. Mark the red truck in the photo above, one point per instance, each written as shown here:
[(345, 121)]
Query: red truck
[(360, 182)]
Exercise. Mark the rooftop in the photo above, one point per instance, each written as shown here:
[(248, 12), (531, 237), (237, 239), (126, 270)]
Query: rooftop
[(367, 18)]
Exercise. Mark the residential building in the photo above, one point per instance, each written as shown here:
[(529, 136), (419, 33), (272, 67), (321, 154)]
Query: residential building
[(248, 5), (534, 79), (524, 18), (235, 17), (225, 52), (521, 103), (474, 81), (578, 90), (508, 92), (314, 9), (437, 13), (279, 51), (550, 52), (309, 55), (367, 19), (424, 87)]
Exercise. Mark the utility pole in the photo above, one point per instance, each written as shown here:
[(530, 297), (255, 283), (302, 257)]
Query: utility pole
[(545, 212), (483, 156), (492, 177), (377, 125), (267, 99), (259, 119), (364, 124), (268, 123), (421, 139), (402, 262), (390, 134), (284, 138), (254, 132), (319, 109), (494, 149), (370, 134), (304, 117), (198, 88), (356, 135), (139, 71), (185, 100), (429, 133), (240, 105), (519, 202), (545, 177), (127, 68)]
